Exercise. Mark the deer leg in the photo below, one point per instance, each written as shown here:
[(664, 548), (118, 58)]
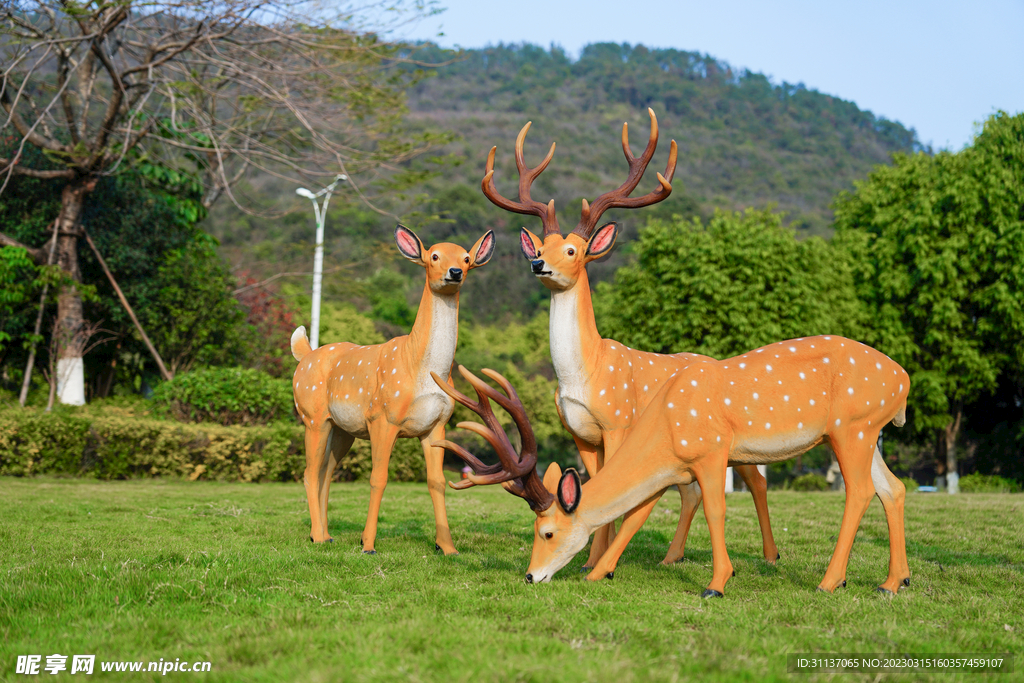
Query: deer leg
[(382, 440), (711, 478), (604, 536), (318, 438), (436, 484), (634, 519), (689, 501), (854, 448), (892, 492), (338, 445), (758, 486)]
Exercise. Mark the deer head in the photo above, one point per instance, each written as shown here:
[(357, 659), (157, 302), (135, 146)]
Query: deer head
[(558, 532), (446, 264), (558, 261)]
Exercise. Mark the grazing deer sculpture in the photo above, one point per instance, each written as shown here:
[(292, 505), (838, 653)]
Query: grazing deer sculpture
[(765, 406), (383, 392), (604, 386)]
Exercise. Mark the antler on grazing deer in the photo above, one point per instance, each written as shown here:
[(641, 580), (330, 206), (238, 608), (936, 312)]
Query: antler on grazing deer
[(619, 198), (525, 205), (517, 473)]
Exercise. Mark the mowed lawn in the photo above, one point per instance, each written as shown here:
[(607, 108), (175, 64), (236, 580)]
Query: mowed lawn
[(142, 570)]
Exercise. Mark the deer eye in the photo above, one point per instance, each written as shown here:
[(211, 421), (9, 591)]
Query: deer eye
[(435, 257), (549, 535), (466, 259), (571, 251)]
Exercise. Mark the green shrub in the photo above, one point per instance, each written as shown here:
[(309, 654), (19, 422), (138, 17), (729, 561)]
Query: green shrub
[(987, 483), (810, 482), (910, 484), (120, 445), (227, 396)]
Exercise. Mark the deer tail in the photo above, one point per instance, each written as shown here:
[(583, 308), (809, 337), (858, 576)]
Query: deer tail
[(901, 416), (300, 343)]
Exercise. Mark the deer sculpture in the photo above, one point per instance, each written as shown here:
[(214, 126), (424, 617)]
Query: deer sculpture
[(765, 406), (603, 385), (383, 392)]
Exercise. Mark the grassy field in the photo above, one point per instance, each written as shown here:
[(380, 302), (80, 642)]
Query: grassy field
[(142, 570)]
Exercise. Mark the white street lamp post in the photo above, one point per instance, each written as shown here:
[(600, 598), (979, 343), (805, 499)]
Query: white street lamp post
[(318, 257)]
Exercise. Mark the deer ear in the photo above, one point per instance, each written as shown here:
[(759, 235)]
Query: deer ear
[(569, 491), (529, 243), (482, 251), (602, 241), (551, 477), (409, 244)]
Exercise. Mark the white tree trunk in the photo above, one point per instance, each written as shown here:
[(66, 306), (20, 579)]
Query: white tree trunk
[(71, 381)]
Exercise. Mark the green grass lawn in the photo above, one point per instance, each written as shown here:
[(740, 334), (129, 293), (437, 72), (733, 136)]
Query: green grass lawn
[(140, 570)]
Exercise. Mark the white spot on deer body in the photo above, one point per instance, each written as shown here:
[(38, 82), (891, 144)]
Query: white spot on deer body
[(792, 349), (826, 337), (812, 401), (837, 422), (651, 362), (860, 435), (803, 376), (883, 401), (310, 366), (671, 405), (602, 392), (617, 412), (768, 368), (728, 401), (693, 382), (742, 365), (825, 361), (767, 425), (645, 387), (750, 423), (852, 361), (901, 388), (850, 391), (785, 398), (611, 368), (360, 390), (393, 371), (719, 438), (878, 366), (683, 442), (755, 396), (693, 412), (799, 425)]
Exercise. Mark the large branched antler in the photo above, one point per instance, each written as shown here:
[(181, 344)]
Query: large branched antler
[(619, 198), (525, 205), (517, 473)]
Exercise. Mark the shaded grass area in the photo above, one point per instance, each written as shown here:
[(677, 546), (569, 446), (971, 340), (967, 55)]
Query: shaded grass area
[(139, 570)]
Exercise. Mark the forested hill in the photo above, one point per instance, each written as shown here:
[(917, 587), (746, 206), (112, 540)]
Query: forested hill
[(743, 141)]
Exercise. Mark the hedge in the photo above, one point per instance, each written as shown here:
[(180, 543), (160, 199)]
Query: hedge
[(227, 396), (120, 446)]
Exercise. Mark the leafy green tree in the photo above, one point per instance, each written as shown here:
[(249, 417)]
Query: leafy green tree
[(938, 247), (720, 289)]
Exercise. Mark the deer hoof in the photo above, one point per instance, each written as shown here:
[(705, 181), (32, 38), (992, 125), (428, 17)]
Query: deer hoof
[(311, 539), (610, 575), (711, 593), (778, 556), (585, 569), (884, 590), (329, 540), (369, 552), (843, 584), (734, 572), (906, 582)]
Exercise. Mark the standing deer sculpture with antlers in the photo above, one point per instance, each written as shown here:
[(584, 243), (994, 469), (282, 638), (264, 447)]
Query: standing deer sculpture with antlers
[(383, 392), (603, 385), (765, 406)]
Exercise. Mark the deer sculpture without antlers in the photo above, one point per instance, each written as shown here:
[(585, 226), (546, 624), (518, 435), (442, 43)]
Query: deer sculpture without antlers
[(768, 405), (383, 392), (604, 386)]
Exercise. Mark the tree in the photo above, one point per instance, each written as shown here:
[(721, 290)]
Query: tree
[(227, 89), (721, 289), (938, 245)]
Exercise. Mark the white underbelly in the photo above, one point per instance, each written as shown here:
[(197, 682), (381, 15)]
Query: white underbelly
[(762, 450), (350, 417)]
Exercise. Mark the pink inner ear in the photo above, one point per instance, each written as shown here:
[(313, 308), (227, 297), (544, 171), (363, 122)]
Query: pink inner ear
[(569, 491), (603, 240), (409, 246), (485, 248), (527, 245)]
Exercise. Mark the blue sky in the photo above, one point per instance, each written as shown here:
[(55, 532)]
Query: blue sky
[(937, 66)]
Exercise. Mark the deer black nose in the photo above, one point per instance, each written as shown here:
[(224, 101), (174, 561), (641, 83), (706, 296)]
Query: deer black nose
[(455, 274), (529, 578), (538, 265)]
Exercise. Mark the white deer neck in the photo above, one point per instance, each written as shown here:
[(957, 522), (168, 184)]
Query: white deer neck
[(572, 333), (435, 334)]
